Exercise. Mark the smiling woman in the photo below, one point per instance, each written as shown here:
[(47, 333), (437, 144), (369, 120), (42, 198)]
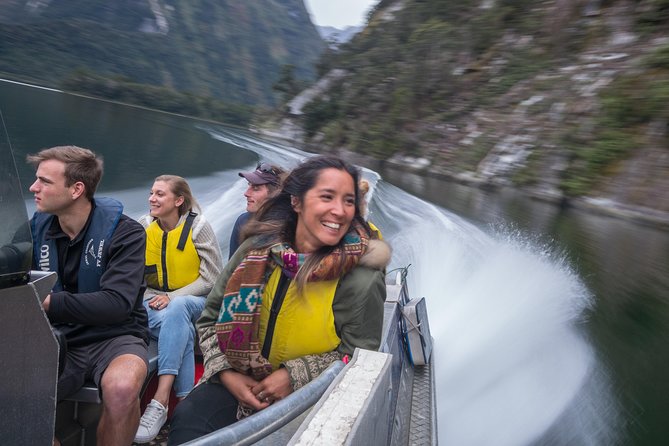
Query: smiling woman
[(326, 211), (183, 260), (310, 261)]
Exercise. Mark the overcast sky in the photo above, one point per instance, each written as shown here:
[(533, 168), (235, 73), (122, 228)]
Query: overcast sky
[(339, 13)]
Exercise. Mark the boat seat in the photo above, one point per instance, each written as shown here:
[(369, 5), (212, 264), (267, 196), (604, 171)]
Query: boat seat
[(90, 393)]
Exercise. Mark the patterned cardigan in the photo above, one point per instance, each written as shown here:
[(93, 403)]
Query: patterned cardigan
[(357, 309)]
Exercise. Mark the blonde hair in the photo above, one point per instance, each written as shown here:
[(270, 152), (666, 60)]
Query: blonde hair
[(363, 187), (179, 187)]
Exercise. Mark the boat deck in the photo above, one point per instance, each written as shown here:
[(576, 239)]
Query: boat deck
[(160, 440), (423, 407)]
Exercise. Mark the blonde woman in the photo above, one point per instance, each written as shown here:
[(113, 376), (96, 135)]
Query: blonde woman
[(183, 260)]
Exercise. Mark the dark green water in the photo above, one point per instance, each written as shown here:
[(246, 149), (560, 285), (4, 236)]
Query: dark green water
[(137, 146), (625, 266)]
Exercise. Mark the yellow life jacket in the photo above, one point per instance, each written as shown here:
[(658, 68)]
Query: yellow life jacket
[(172, 261), (305, 324), (375, 229)]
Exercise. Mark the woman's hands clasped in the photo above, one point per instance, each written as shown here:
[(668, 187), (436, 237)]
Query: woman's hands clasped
[(254, 394), (274, 387)]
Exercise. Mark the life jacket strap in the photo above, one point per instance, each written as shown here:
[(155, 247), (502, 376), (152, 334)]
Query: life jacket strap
[(183, 238)]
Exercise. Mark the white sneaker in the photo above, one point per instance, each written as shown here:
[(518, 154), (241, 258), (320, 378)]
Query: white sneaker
[(153, 419)]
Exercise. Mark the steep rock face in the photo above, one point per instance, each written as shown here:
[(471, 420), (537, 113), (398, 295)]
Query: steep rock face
[(565, 99), (227, 49)]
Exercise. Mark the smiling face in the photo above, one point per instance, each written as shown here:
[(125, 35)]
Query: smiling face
[(52, 195), (255, 194), (163, 204), (326, 211)]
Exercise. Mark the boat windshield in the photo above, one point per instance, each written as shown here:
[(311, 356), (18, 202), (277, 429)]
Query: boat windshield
[(15, 237)]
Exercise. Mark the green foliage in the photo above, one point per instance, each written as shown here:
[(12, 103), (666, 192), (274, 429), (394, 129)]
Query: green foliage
[(468, 157), (430, 47), (233, 51), (521, 65), (629, 105), (654, 16), (405, 72), (335, 133), (596, 157), (486, 29), (658, 100), (658, 59), (635, 100), (611, 145), (380, 139), (575, 186), (119, 89), (622, 105), (529, 173), (318, 113), (576, 181), (439, 61), (287, 85)]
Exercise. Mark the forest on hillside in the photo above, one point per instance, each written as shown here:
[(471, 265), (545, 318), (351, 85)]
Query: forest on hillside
[(556, 96), (223, 50)]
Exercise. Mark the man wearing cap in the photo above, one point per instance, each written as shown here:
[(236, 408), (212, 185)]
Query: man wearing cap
[(263, 182)]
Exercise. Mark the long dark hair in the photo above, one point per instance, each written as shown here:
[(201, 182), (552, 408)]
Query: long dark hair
[(276, 220)]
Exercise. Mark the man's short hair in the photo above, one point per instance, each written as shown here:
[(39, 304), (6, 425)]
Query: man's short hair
[(80, 165)]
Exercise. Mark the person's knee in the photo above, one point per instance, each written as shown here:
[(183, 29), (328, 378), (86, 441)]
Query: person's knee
[(122, 381), (178, 309), (184, 409), (119, 392), (189, 411)]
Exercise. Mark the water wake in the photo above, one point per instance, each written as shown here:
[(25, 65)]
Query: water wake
[(512, 366)]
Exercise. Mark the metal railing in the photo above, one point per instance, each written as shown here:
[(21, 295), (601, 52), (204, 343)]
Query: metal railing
[(263, 423)]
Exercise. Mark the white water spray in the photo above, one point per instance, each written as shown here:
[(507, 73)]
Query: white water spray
[(511, 364)]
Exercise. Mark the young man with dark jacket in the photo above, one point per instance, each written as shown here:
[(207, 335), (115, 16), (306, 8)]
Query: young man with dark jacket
[(98, 253)]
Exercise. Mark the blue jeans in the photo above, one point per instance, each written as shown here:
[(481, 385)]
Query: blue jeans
[(173, 328)]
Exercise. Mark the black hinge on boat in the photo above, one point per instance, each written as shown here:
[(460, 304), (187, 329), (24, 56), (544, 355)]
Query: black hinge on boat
[(279, 295)]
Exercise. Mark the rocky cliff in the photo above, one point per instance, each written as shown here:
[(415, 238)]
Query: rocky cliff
[(567, 100)]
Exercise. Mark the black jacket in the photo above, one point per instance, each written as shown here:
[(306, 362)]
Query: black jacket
[(116, 309)]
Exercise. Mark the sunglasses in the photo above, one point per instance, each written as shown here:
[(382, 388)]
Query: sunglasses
[(266, 168)]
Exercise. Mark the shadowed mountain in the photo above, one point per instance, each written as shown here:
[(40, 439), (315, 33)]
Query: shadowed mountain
[(227, 49)]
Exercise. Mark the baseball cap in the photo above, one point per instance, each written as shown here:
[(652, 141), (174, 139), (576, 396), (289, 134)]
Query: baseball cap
[(264, 174)]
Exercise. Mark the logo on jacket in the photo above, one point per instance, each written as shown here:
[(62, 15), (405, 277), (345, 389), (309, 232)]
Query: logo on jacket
[(92, 255), (44, 257)]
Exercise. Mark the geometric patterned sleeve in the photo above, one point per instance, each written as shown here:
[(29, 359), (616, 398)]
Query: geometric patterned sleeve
[(214, 358)]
